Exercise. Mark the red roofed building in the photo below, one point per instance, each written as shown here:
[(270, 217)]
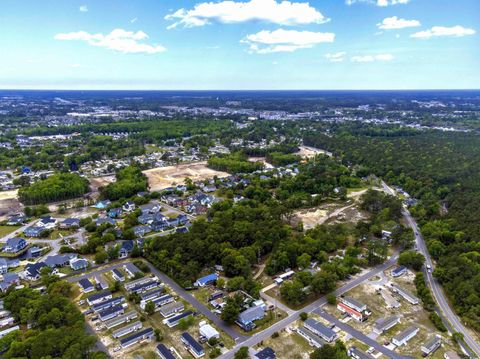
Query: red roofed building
[(352, 312)]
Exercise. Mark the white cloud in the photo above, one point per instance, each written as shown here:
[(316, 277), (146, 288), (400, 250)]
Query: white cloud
[(280, 40), (378, 2), (230, 12), (394, 23), (117, 40), (436, 31), (372, 58), (83, 8), (336, 57)]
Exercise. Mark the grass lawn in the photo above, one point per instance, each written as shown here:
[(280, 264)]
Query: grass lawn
[(4, 230), (56, 234)]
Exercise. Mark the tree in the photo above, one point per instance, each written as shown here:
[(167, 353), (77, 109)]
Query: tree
[(150, 308), (113, 252), (101, 257), (329, 351), (292, 292), (242, 353), (303, 261), (323, 282), (232, 308), (303, 316), (331, 299), (411, 259)]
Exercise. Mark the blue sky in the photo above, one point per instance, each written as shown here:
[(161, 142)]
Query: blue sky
[(240, 44)]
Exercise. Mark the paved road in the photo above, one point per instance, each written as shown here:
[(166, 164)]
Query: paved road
[(436, 288), (179, 290), (358, 335), (18, 231), (267, 333)]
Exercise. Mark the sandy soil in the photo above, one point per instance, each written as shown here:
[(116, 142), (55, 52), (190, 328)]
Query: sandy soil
[(261, 159), (163, 177), (9, 203), (308, 152), (97, 182), (329, 213)]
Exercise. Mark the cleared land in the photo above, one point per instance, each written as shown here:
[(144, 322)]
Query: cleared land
[(328, 213), (9, 203), (162, 177), (308, 152), (97, 182)]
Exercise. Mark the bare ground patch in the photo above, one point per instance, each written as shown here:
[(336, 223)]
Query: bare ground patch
[(163, 177), (309, 152), (9, 203)]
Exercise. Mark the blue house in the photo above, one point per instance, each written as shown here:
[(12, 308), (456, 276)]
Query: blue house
[(399, 271), (126, 248), (115, 212), (102, 204), (266, 353), (14, 245), (78, 263), (32, 270), (102, 220), (140, 230), (208, 279), (247, 317), (192, 345), (34, 231)]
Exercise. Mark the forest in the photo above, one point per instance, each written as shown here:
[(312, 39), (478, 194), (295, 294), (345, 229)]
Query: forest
[(129, 181), (234, 163), (57, 187), (57, 328), (441, 170)]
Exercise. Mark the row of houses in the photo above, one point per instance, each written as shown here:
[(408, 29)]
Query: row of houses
[(353, 308), (32, 271)]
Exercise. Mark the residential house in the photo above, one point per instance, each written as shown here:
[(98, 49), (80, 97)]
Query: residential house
[(86, 286), (8, 280), (384, 324), (126, 248), (405, 294), (127, 329), (399, 271), (451, 355), (69, 223), (59, 260), (115, 212), (146, 218), (131, 269), (109, 303), (319, 329), (121, 319), (16, 220), (140, 230), (431, 346), (35, 251), (32, 270), (3, 266), (148, 296), (312, 339), (102, 204), (351, 312), (99, 297), (208, 279), (181, 230), (247, 318), (354, 304), (102, 220), (129, 206), (78, 263), (356, 353), (404, 336), (47, 222), (207, 331), (117, 275), (194, 347), (172, 308), (135, 283), (140, 336), (15, 245), (101, 284), (111, 312), (173, 321), (164, 353), (265, 353), (34, 231), (158, 302), (150, 208)]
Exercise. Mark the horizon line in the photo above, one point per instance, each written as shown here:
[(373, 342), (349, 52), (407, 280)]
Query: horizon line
[(235, 90)]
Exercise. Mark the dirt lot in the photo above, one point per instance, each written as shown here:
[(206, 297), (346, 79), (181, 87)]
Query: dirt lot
[(261, 159), (97, 182), (328, 213), (163, 177), (9, 203), (308, 152)]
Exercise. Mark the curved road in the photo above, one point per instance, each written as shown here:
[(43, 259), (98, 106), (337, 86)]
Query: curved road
[(436, 288)]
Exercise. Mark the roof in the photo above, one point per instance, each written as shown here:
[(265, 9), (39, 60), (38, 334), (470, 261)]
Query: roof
[(171, 307), (208, 331), (432, 343), (319, 327), (386, 322), (399, 270), (207, 279), (34, 268), (251, 314), (78, 263), (71, 221), (137, 335), (132, 268), (117, 273), (97, 296), (359, 353), (196, 347), (15, 241), (59, 259), (85, 283), (165, 352), (108, 303), (405, 333), (179, 316), (353, 301), (111, 310), (266, 353)]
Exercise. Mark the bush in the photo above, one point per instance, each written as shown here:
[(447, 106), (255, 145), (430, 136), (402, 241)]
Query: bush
[(303, 316), (331, 299), (275, 335)]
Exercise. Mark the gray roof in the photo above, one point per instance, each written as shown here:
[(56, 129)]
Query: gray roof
[(353, 301), (319, 327), (405, 333), (382, 323), (432, 343), (251, 314)]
